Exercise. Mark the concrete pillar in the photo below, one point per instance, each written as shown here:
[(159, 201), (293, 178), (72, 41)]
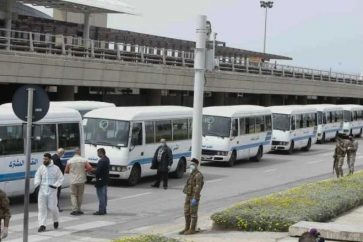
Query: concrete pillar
[(86, 28), (265, 100), (8, 21), (152, 96), (65, 93), (218, 98)]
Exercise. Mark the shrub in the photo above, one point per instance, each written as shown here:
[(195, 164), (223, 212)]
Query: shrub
[(146, 238), (318, 201)]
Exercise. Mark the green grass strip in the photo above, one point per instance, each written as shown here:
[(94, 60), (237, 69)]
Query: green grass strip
[(319, 201), (146, 238)]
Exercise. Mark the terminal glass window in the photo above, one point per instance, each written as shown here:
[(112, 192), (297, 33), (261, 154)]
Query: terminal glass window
[(69, 137), (180, 129), (149, 132), (281, 121), (106, 132), (11, 140), (163, 130), (216, 126), (44, 138)]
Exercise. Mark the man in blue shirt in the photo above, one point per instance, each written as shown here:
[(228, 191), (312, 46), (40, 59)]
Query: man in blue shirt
[(102, 175)]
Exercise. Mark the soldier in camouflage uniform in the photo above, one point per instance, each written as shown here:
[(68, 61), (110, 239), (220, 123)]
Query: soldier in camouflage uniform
[(339, 155), (4, 214), (351, 153), (192, 191)]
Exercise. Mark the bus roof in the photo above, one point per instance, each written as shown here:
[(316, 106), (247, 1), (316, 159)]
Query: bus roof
[(235, 110), (141, 113), (351, 107), (55, 114), (326, 107), (82, 105), (292, 109)]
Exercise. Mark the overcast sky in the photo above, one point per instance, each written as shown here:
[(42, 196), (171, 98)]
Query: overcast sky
[(315, 33)]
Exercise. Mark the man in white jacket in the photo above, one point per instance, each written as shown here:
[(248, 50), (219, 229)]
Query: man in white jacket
[(48, 177)]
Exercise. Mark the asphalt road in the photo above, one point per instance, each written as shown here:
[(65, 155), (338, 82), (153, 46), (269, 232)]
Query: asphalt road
[(132, 209)]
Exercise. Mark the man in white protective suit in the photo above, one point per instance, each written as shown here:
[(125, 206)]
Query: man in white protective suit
[(48, 177)]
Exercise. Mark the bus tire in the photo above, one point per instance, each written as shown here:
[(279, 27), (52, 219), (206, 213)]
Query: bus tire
[(308, 146), (232, 159), (259, 154), (291, 148), (180, 169), (322, 141), (135, 175), (33, 198), (360, 134)]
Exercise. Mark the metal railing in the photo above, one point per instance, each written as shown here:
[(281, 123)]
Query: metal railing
[(79, 47)]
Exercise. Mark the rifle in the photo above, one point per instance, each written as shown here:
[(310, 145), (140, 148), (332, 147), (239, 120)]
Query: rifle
[(335, 163)]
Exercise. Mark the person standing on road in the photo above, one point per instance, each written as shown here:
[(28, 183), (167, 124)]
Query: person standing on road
[(77, 167), (351, 153), (102, 175), (4, 214), (48, 177), (56, 158), (339, 155), (192, 190), (162, 161)]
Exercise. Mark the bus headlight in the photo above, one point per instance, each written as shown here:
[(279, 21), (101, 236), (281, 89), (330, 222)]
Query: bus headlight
[(224, 153), (113, 168), (119, 168)]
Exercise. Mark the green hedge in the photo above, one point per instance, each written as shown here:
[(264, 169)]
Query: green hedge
[(146, 238), (319, 202)]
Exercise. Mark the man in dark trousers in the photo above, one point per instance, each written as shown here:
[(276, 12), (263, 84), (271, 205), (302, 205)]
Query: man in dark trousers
[(102, 174), (56, 158), (162, 161)]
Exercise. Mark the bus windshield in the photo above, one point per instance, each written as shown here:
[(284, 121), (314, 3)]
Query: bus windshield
[(106, 132), (281, 121), (347, 116), (216, 126)]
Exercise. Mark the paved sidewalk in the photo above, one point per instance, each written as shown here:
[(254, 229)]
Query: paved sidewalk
[(354, 217)]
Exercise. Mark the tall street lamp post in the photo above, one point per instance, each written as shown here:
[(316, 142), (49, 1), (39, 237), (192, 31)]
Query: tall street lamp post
[(266, 5)]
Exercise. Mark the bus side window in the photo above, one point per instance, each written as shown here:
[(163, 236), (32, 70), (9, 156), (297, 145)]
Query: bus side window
[(234, 127), (324, 117), (293, 123), (242, 126), (136, 138)]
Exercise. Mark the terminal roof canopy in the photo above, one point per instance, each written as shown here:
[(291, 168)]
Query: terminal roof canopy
[(84, 6)]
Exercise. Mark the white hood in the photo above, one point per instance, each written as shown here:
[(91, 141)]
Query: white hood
[(117, 156), (279, 135), (215, 143)]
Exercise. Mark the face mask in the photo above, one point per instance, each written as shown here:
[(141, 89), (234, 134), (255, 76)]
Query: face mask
[(191, 168)]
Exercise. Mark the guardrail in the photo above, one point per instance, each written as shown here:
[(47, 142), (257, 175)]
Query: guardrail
[(79, 47)]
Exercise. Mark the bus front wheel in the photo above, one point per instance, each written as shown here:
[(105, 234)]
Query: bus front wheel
[(322, 141), (232, 159), (291, 148), (135, 175), (180, 169)]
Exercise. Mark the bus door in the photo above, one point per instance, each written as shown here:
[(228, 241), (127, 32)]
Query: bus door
[(137, 151)]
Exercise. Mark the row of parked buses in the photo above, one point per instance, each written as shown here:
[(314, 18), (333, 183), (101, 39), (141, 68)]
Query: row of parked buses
[(130, 135)]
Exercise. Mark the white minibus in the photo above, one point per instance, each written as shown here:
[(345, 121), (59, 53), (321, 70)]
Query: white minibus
[(61, 127), (82, 106), (293, 127), (236, 132), (330, 121), (131, 135), (353, 119)]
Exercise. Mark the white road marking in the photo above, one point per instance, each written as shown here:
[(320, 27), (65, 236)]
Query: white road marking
[(19, 227), (314, 162), (132, 196), (215, 180), (270, 170)]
